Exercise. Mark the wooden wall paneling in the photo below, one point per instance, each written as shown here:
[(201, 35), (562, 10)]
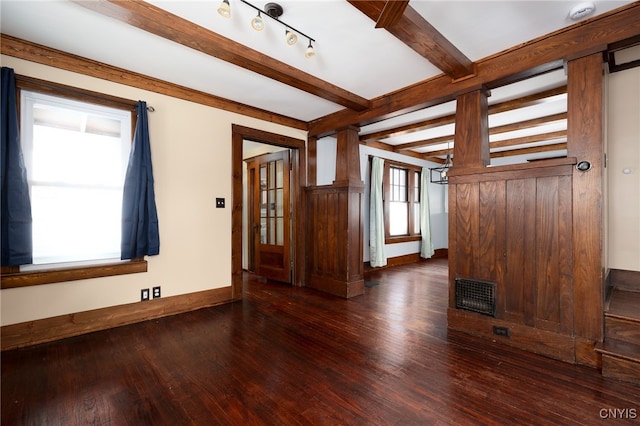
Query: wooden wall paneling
[(585, 141), (491, 233), (466, 222), (565, 254), (453, 240), (519, 299), (546, 254)]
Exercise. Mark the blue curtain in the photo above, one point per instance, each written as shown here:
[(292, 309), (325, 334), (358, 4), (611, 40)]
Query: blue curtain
[(17, 246), (140, 236)]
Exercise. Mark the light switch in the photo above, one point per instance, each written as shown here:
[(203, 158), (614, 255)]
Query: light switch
[(219, 203)]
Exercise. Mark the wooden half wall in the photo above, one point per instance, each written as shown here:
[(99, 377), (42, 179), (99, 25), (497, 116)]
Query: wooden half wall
[(535, 231)]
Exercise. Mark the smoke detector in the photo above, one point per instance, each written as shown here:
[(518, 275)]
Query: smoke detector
[(582, 10)]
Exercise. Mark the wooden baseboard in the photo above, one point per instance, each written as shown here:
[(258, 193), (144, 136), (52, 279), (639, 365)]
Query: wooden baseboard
[(346, 289), (49, 329), (407, 259), (553, 345)]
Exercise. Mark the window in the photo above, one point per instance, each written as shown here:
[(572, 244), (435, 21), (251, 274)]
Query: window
[(76, 155), (401, 201)]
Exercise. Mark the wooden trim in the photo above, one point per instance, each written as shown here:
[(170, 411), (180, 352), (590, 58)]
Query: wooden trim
[(58, 275), (49, 329), (57, 89), (512, 167), (299, 164), (537, 56), (407, 259), (585, 141), (22, 49)]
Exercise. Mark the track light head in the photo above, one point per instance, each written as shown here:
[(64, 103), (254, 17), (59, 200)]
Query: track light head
[(310, 53), (224, 9), (291, 37), (257, 23)]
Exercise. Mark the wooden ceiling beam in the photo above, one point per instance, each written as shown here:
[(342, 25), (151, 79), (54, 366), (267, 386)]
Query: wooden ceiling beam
[(530, 150), (406, 24), (523, 61), (391, 13), (155, 20), (543, 137), (522, 102), (39, 54)]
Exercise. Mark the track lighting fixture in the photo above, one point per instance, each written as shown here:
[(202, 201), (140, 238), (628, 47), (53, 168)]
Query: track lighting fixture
[(273, 11), (224, 9), (291, 37)]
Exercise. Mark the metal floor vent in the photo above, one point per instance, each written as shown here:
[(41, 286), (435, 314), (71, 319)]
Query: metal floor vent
[(476, 296)]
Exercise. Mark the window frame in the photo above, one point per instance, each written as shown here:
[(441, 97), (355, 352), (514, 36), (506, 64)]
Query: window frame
[(12, 276), (411, 171)]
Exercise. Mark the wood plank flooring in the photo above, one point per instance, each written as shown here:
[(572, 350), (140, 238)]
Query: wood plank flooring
[(296, 356)]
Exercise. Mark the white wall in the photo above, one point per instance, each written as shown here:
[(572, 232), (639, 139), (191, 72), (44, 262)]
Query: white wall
[(623, 152), (438, 202), (191, 152)]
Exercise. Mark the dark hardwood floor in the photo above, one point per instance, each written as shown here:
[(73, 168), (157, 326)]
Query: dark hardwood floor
[(288, 355)]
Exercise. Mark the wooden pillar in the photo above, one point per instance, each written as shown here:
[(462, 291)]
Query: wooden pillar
[(348, 158), (471, 140), (585, 141), (334, 212)]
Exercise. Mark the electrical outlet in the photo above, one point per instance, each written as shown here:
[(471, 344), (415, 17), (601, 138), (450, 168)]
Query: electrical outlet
[(144, 294), (156, 292), (501, 331)]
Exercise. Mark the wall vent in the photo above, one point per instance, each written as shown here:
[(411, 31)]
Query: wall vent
[(476, 296)]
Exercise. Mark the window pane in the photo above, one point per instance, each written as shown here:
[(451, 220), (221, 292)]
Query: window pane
[(76, 158), (398, 219), (279, 174), (280, 232), (75, 223), (416, 218), (76, 155)]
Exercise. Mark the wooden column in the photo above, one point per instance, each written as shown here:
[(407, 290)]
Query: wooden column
[(585, 142), (471, 140), (335, 262)]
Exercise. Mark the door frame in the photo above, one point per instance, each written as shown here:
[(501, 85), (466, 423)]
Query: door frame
[(298, 183)]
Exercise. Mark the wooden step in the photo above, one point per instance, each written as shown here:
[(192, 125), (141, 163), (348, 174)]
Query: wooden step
[(624, 304), (622, 329), (620, 360), (625, 280)]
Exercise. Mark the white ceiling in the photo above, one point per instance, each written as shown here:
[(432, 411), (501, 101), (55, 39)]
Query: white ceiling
[(351, 53)]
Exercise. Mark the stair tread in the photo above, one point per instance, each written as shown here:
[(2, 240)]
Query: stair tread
[(620, 349), (624, 304)]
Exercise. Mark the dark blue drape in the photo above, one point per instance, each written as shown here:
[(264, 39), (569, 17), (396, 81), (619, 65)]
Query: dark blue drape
[(140, 236), (17, 245)]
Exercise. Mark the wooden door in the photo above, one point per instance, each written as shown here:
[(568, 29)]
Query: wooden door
[(271, 216)]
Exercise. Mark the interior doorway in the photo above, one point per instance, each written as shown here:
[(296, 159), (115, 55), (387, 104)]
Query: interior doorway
[(273, 261), (268, 219)]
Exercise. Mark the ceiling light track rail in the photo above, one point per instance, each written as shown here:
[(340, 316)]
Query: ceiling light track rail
[(275, 16), (273, 11)]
